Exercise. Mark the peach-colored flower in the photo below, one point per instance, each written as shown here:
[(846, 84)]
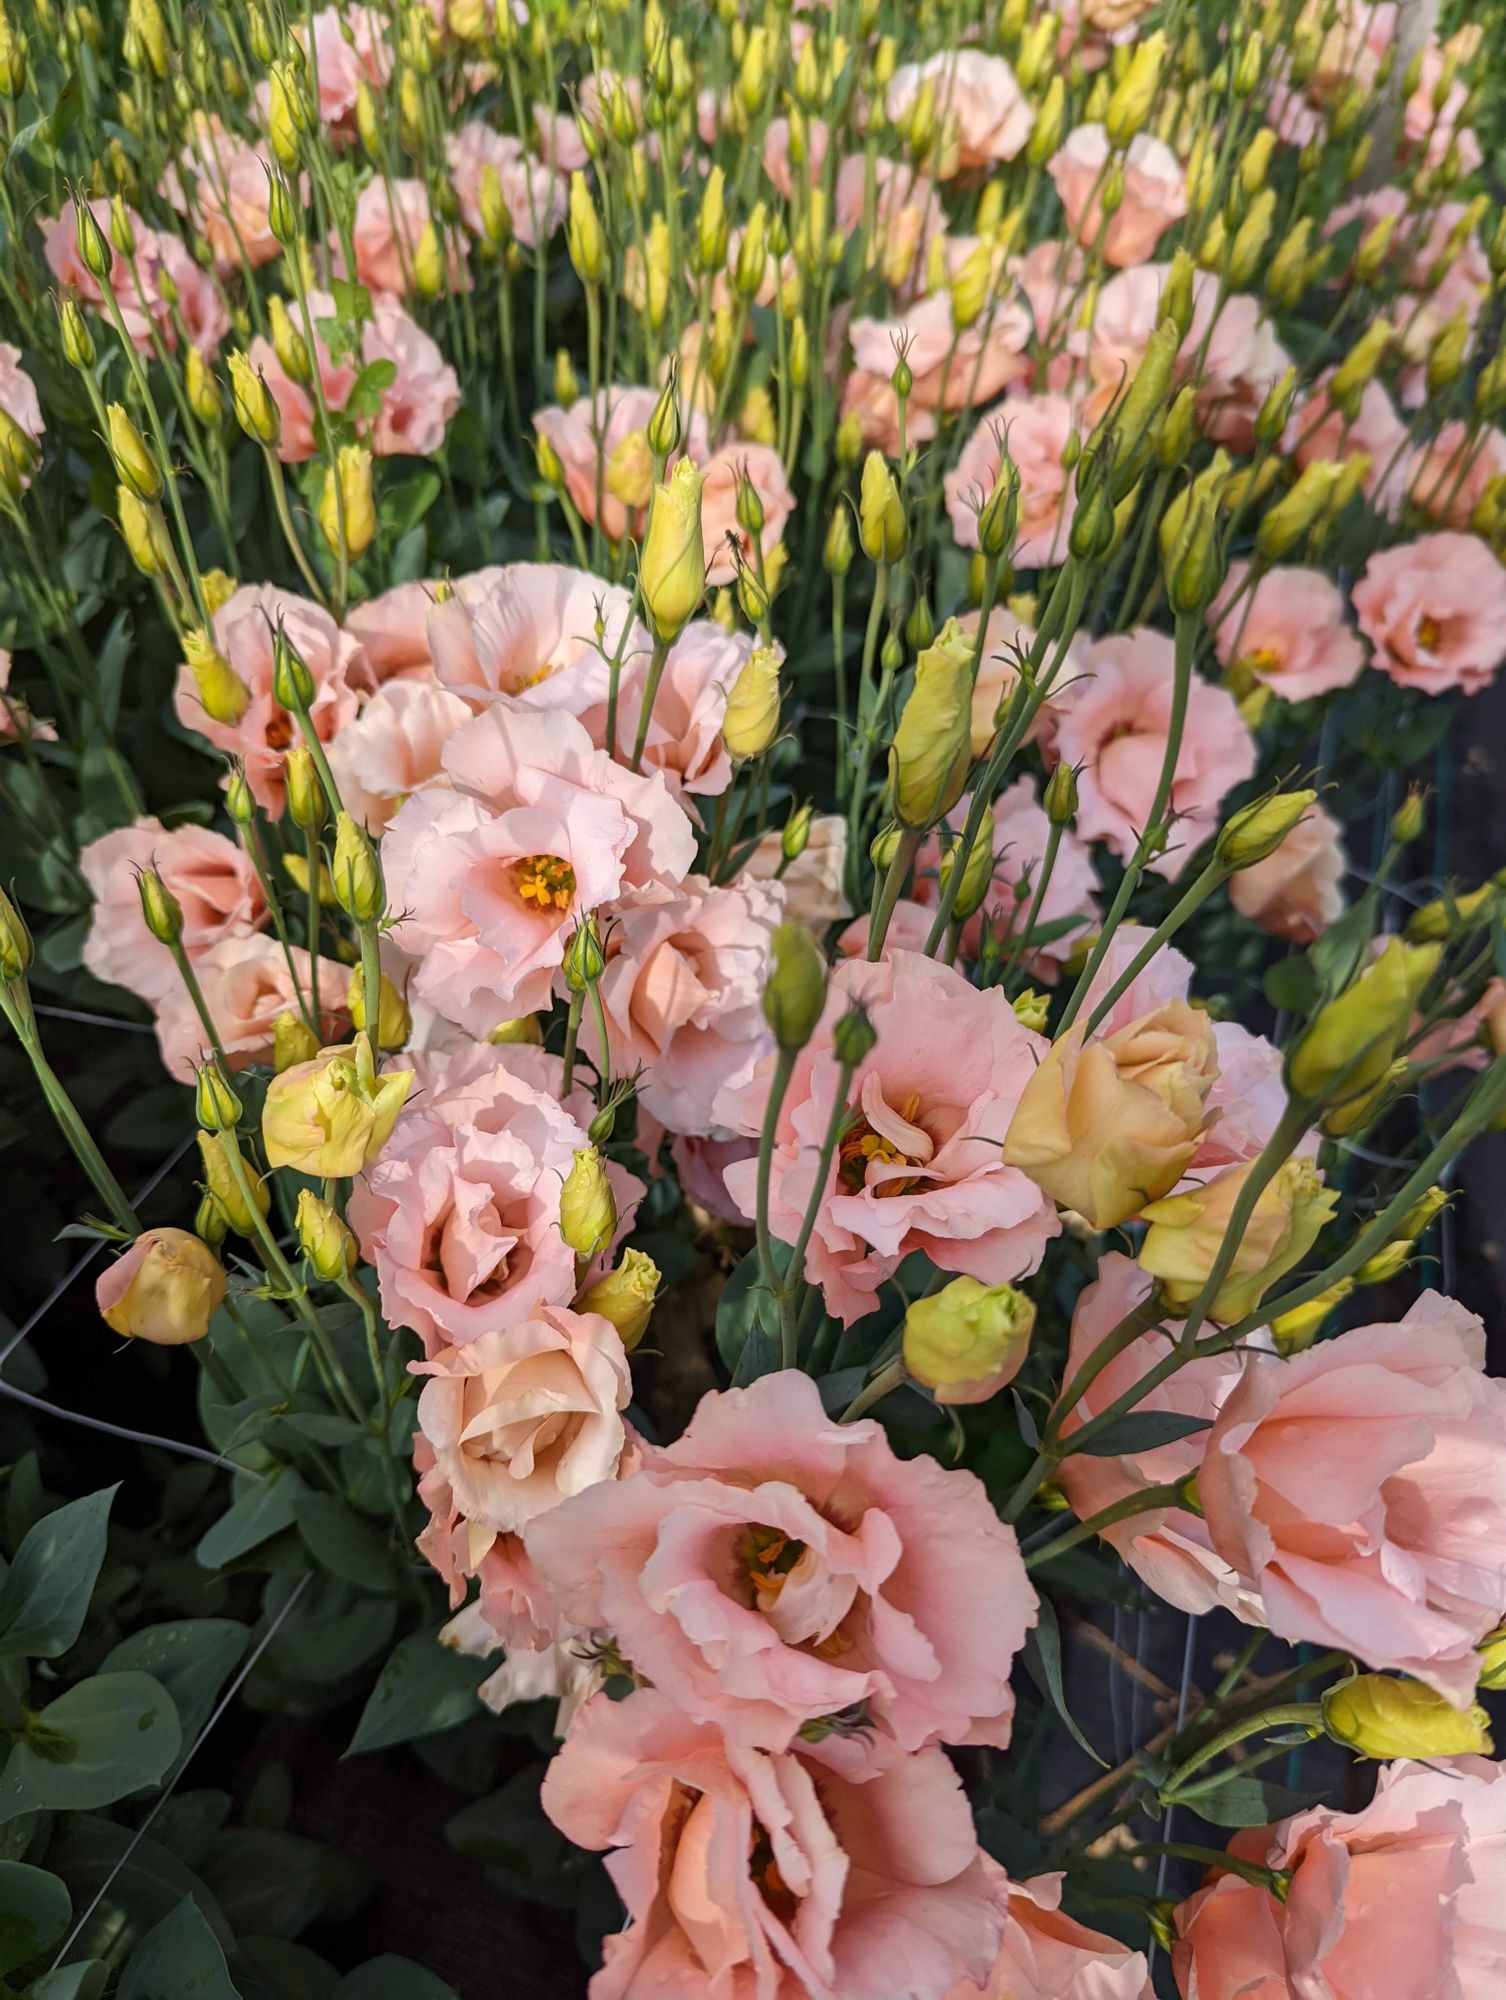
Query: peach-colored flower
[(199, 307), (1402, 1898), (512, 1603), (134, 290), (394, 747), (682, 995), (526, 1415), (1049, 276), (684, 739), (1431, 130), (390, 220), (812, 882), (18, 397), (165, 1289), (214, 884), (246, 984), (1318, 430), (228, 194), (524, 635), (1021, 835), (1449, 474), (460, 1212), (1168, 1547), (412, 410), (350, 46), (1047, 1955), (1289, 632), (559, 142), (919, 1166), (1240, 359), (1155, 193), (1296, 892), (771, 1877), (1112, 727), (952, 369), (393, 630), (533, 193), (728, 545), (907, 1592), (1034, 431), (980, 107), (243, 630), (610, 437), (1435, 611), (1357, 1487), (493, 876), (1244, 1106)]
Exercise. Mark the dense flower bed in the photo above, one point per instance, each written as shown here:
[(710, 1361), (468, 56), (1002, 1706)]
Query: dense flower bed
[(749, 694)]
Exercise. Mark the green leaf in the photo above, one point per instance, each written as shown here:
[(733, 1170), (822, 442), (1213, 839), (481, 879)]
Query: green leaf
[(138, 1880), (278, 1883), (1142, 1430), (83, 1980), (192, 1657), (405, 504), (270, 1968), (345, 1543), (98, 1742), (46, 1593), (1250, 1802), (259, 1512), (179, 1960), (424, 1688), (390, 1978), (1043, 1663), (34, 1912), (527, 1854), (366, 392), (746, 1316)]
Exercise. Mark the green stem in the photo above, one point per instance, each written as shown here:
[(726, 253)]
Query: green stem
[(784, 1069), (894, 882), (15, 1001), (1284, 1715), (874, 1390), (1093, 1524), (650, 694)]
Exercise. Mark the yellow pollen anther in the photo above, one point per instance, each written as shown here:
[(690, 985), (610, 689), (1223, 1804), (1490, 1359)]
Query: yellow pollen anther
[(546, 882)]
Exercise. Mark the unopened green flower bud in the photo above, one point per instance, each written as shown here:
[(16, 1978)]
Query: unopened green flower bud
[(292, 682), (588, 1207), (324, 1238), (854, 1037), (797, 833), (932, 744), (160, 908), (795, 992), (584, 960), (881, 513), (1060, 796), (1256, 831), (216, 1106), (16, 948), (967, 1341), (1384, 1716)]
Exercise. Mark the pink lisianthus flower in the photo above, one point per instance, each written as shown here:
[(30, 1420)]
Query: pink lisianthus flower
[(460, 1213), (1112, 728), (393, 629), (1402, 1898), (246, 984), (228, 194), (952, 368), (512, 1603), (213, 882), (1034, 430), (18, 398), (524, 634), (534, 195), (1432, 130), (199, 308), (390, 221), (1450, 473), (494, 875), (682, 995), (728, 545), (395, 747), (1317, 430), (979, 104), (1244, 1105), (771, 1877), (1021, 834), (244, 628), (684, 739), (1155, 193), (1289, 632), (907, 1593), (920, 1166), (1169, 1548), (1296, 892), (413, 409), (608, 440), (1358, 1489), (350, 47), (16, 719), (812, 882), (1435, 612), (1047, 1955)]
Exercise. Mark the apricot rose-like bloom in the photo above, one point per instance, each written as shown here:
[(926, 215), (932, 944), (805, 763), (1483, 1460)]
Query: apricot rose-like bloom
[(919, 1165), (533, 194), (330, 1117), (1034, 431), (1402, 1898), (1113, 728), (246, 983), (1435, 611), (526, 1415), (1187, 1231), (1047, 1955), (1155, 193), (212, 880), (494, 875), (1107, 1125), (772, 1567), (412, 409), (1167, 1547), (1296, 892), (771, 1877), (1360, 1488), (460, 1215), (165, 1289), (1288, 633)]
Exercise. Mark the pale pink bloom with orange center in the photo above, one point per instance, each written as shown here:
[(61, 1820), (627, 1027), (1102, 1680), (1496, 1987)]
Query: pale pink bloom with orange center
[(978, 101), (1359, 1490), (878, 1880), (1451, 472), (395, 747), (226, 193), (1296, 893), (460, 1214), (684, 738), (413, 409), (951, 369), (244, 628), (493, 876), (921, 1167), (1435, 612), (610, 435), (1034, 431), (1113, 728), (524, 634), (246, 984), (1289, 632), (390, 220), (1155, 193), (1402, 1898), (134, 290), (908, 1592), (682, 995), (534, 195), (18, 398), (1047, 1955), (211, 879)]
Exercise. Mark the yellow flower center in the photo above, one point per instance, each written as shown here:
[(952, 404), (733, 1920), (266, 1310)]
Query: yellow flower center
[(861, 1146), (1429, 632), (545, 882), (768, 1559)]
